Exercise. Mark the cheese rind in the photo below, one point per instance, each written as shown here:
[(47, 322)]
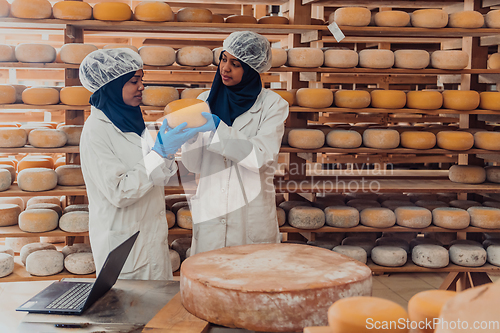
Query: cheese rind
[(73, 134), (412, 59), (9, 214), (425, 306), (77, 221), (468, 19), (37, 179), (418, 139), (376, 58), (354, 252), (80, 263), (430, 256), (450, 218), (4, 8), (40, 96), (429, 18), (245, 19), (194, 15), (449, 59), (153, 11), (11, 137), (278, 58), (392, 18), (273, 20), (307, 57), (426, 100), (314, 97), (462, 100), (45, 262), (194, 56), (377, 217), (492, 19), (306, 217), (155, 55), (70, 175), (184, 218), (381, 138), (455, 140), (72, 10), (76, 95), (7, 94), (112, 11), (487, 140), (6, 264), (31, 9), (47, 138), (467, 174), (467, 255), (186, 110), (38, 220), (388, 99), (493, 174), (306, 138), (344, 139), (490, 100), (352, 16), (390, 256), (28, 249), (34, 52), (354, 99), (484, 217), (413, 217), (341, 58)]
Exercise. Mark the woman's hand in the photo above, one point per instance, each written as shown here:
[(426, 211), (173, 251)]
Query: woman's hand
[(169, 140)]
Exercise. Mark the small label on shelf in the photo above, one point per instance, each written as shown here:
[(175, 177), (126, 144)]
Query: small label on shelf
[(12, 75), (47, 116), (336, 32)]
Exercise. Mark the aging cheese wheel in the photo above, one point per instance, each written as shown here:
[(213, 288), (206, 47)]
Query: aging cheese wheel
[(7, 52), (288, 205), (11, 137), (278, 58), (392, 18), (273, 20), (430, 256), (73, 133), (376, 58), (455, 140), (45, 262), (194, 15), (7, 94), (159, 95), (174, 198), (4, 8), (305, 57), (389, 256), (381, 138), (429, 18), (192, 92), (112, 11), (354, 252), (425, 306), (76, 95), (493, 174), (467, 255), (11, 170), (38, 220), (418, 139), (60, 161), (245, 19), (34, 162), (306, 217), (72, 10), (388, 99), (55, 207), (31, 9), (364, 242), (462, 100), (37, 179), (412, 59), (490, 100), (413, 217), (33, 52), (121, 46), (76, 208), (493, 60), (194, 56), (353, 99), (70, 175), (9, 214), (175, 259), (80, 263), (306, 138), (287, 95), (493, 254), (467, 174), (76, 248), (341, 58), (16, 243), (43, 199), (153, 11), (220, 286), (6, 264), (28, 249), (450, 218), (6, 249), (487, 140), (352, 16), (316, 98), (449, 59), (186, 110), (466, 19), (13, 200), (344, 139), (154, 55), (47, 138), (184, 218), (464, 204), (170, 218), (181, 245), (425, 100), (77, 221), (484, 217), (217, 51), (377, 217), (40, 96), (492, 19)]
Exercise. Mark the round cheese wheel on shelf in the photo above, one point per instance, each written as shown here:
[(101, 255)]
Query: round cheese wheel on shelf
[(245, 19), (364, 242), (34, 52), (306, 217), (337, 58), (186, 110), (45, 263), (484, 217), (217, 18), (425, 100), (389, 256), (467, 255), (381, 138), (194, 15), (286, 310), (487, 140), (37, 179), (28, 249), (80, 263), (76, 95), (4, 8), (11, 169), (41, 96), (490, 100), (376, 58), (6, 264), (418, 139), (352, 16), (184, 218), (306, 138), (70, 175), (72, 10), (429, 18), (281, 216), (55, 207), (273, 19), (112, 11), (462, 100), (341, 216), (425, 307), (377, 217), (159, 95), (44, 199), (7, 94), (412, 59), (74, 53), (192, 92), (38, 220), (466, 19), (153, 11), (450, 218), (279, 57), (493, 174), (430, 256), (11, 137), (175, 260), (344, 139), (73, 133), (31, 9), (493, 61), (449, 59), (287, 95), (7, 52), (47, 138), (34, 162), (76, 208), (16, 243), (493, 254), (392, 18), (354, 252), (154, 55), (170, 218), (60, 161), (13, 200), (316, 98), (172, 199), (492, 19), (307, 57), (9, 214), (388, 99), (467, 174), (194, 56), (353, 99), (413, 217), (393, 241), (77, 221), (181, 245), (455, 140), (76, 248), (217, 51), (7, 250)]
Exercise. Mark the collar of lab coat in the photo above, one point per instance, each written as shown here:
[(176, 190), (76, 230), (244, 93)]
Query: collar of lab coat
[(248, 116), (129, 136)]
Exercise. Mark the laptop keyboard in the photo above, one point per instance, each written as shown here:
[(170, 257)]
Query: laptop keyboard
[(72, 299)]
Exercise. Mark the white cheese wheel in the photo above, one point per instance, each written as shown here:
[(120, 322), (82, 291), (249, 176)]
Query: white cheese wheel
[(464, 204), (245, 19), (16, 243), (31, 9), (7, 94), (344, 139), (493, 254), (33, 52), (381, 138), (37, 179), (6, 264), (392, 18), (393, 241), (76, 95), (73, 134), (351, 251), (308, 57), (217, 51), (76, 248), (6, 249), (287, 95), (175, 260), (426, 100), (278, 58), (492, 19), (7, 52), (377, 217), (390, 256), (40, 96), (353, 99), (9, 214), (112, 11), (273, 20), (45, 262), (43, 199), (55, 207), (184, 218), (155, 55), (72, 10), (77, 221), (455, 140), (412, 59), (47, 138), (467, 174), (364, 242), (181, 245), (194, 15), (484, 217), (11, 137), (413, 217), (314, 97), (376, 58), (462, 100), (230, 295), (487, 140), (450, 218), (418, 139), (74, 53), (337, 58), (70, 175), (493, 174), (467, 19), (490, 100), (28, 249), (388, 99), (449, 59), (38, 220), (352, 16), (4, 8), (306, 138), (306, 217), (80, 263), (194, 56), (467, 255), (430, 256), (153, 11), (429, 18)]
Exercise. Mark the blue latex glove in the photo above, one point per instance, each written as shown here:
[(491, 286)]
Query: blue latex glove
[(169, 140), (212, 123)]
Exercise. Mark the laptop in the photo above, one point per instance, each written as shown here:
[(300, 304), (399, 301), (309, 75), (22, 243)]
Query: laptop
[(66, 297)]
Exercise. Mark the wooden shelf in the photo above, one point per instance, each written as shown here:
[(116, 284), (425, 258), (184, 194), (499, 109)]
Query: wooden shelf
[(396, 228), (410, 267), (364, 150), (31, 149), (395, 111), (15, 191), (175, 230), (15, 231), (384, 3)]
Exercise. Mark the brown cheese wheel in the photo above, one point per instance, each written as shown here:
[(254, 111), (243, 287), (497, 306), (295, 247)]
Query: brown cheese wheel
[(273, 20), (429, 18), (70, 175), (245, 19), (467, 174), (392, 18), (352, 16), (194, 15), (467, 19), (153, 11)]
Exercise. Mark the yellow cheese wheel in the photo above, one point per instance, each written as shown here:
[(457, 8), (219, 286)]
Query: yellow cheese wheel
[(153, 11), (466, 19), (34, 162), (44, 200), (308, 57), (425, 100), (38, 220), (392, 18), (194, 15), (246, 19), (352, 16), (494, 61), (217, 51), (463, 100), (314, 97), (33, 52), (412, 59), (354, 99), (344, 139), (76, 95), (455, 140), (192, 92), (412, 217), (429, 18), (487, 140), (489, 100), (418, 139), (426, 306), (7, 53), (278, 58), (112, 11), (47, 138), (388, 99), (376, 58), (155, 55), (377, 217), (217, 18), (70, 175), (37, 179), (467, 174), (492, 19), (31, 9), (194, 56), (186, 110), (159, 95), (449, 59), (72, 10), (450, 217), (184, 218), (484, 217), (4, 8), (11, 137), (40, 96), (341, 58), (274, 19), (121, 46), (306, 138), (73, 53), (7, 94), (9, 214), (287, 95), (381, 138)]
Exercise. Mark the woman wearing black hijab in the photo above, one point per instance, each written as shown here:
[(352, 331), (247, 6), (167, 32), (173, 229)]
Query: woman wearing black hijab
[(235, 200)]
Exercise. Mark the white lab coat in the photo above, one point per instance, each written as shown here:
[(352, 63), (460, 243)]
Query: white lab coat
[(124, 181), (235, 199)]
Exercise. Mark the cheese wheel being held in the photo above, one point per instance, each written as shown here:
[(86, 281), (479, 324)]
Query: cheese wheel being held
[(194, 56), (74, 53), (75, 95), (72, 10), (37, 179), (455, 140), (314, 97), (186, 110), (468, 19), (31, 9), (35, 52), (388, 99), (341, 58), (418, 139), (306, 138), (194, 15), (412, 59), (462, 100), (112, 11), (352, 16), (449, 59), (41, 96), (376, 58), (153, 11), (159, 95), (11, 137), (467, 174), (308, 57), (70, 175), (353, 99), (47, 138), (429, 18), (392, 18), (425, 100), (154, 55)]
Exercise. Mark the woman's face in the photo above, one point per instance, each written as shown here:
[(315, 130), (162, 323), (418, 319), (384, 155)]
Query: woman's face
[(132, 90), (230, 69)]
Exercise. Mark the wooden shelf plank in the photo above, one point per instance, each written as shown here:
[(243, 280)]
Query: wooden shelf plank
[(396, 228), (395, 111), (410, 267), (364, 150), (31, 149), (15, 231), (384, 3), (15, 191)]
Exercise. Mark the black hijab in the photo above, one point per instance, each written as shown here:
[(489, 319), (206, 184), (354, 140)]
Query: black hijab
[(230, 102), (109, 99)]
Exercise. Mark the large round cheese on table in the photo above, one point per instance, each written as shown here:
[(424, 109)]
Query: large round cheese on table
[(467, 174), (77, 221), (377, 217), (450, 218), (35, 162), (462, 100), (353, 99), (429, 18), (186, 110), (344, 139), (80, 263), (6, 264), (287, 95), (245, 19), (418, 139), (449, 59), (413, 59), (487, 140), (425, 306), (159, 95), (314, 97), (40, 96), (194, 15), (392, 18), (37, 179), (47, 138), (4, 8), (192, 92), (388, 99), (341, 58), (153, 11), (221, 286), (389, 256), (7, 94), (381, 138), (38, 220), (74, 53), (306, 138), (7, 52), (305, 57), (31, 9), (274, 19), (430, 256), (492, 19), (484, 217), (154, 55), (455, 140), (493, 174), (11, 137), (279, 57), (413, 217), (352, 16), (72, 10), (77, 95), (45, 262), (194, 56), (73, 134), (70, 175), (466, 19), (112, 11), (489, 100), (43, 199), (9, 214), (376, 58), (28, 249), (425, 100), (306, 217), (33, 52)]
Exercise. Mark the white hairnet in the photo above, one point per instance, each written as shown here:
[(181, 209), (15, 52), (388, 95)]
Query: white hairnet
[(251, 48), (103, 66)]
